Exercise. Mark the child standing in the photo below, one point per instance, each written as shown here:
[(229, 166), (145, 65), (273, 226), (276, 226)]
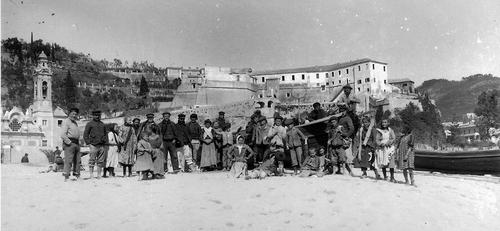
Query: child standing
[(405, 155), (239, 154), (294, 139), (337, 146), (208, 152), (227, 143), (113, 149), (144, 162), (385, 149), (366, 147)]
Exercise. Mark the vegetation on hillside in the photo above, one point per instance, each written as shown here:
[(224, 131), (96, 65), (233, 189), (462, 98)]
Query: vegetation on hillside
[(456, 98)]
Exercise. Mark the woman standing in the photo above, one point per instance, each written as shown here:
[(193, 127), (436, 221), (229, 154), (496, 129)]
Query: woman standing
[(385, 149), (114, 142), (144, 163), (239, 153), (405, 155), (208, 152), (157, 155), (127, 152), (365, 143)]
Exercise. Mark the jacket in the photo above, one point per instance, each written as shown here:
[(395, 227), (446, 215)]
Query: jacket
[(194, 130), (294, 137), (167, 129), (95, 133), (181, 132)]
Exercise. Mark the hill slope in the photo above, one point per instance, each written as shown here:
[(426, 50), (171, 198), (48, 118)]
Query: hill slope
[(455, 98)]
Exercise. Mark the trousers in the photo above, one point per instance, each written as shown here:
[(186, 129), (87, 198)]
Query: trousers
[(72, 157)]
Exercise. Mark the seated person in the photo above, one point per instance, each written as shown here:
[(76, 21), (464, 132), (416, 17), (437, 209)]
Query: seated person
[(267, 168), (58, 163), (313, 165)]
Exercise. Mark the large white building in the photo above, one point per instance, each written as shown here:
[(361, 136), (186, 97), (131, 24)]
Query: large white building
[(364, 75)]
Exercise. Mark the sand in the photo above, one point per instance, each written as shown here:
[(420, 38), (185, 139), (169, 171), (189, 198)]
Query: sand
[(213, 201)]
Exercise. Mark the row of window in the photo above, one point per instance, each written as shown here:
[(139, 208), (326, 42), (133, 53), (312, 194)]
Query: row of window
[(326, 74)]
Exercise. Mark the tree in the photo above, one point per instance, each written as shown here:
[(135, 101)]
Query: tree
[(70, 90), (143, 87), (488, 111), (117, 63)]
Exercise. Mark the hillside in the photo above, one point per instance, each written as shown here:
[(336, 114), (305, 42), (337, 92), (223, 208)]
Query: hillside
[(455, 98)]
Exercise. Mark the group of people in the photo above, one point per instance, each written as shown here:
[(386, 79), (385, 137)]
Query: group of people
[(152, 149)]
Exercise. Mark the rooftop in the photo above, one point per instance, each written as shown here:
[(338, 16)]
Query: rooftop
[(403, 80), (317, 68)]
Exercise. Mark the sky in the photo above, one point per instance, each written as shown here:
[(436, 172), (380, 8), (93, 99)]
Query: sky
[(419, 40)]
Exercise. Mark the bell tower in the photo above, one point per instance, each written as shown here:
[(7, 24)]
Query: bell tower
[(43, 114), (42, 85)]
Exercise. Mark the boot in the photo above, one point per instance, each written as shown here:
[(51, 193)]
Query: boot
[(364, 175), (112, 171), (124, 170), (412, 179), (384, 172), (295, 170), (129, 171), (391, 170), (377, 176), (105, 171), (405, 174)]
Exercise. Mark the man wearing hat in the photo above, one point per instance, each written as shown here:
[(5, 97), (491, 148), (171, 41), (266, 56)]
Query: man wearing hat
[(71, 136), (317, 112), (223, 123), (347, 98), (259, 141), (195, 132), (167, 129), (183, 140), (148, 123), (95, 136)]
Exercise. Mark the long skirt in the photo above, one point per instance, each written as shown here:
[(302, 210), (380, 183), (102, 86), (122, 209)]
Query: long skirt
[(384, 157), (208, 155), (143, 162), (158, 162), (113, 156), (366, 158), (238, 169)]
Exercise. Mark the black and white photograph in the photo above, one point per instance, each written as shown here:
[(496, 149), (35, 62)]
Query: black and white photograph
[(203, 115)]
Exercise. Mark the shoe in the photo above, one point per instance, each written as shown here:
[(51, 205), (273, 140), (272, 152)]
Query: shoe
[(393, 180)]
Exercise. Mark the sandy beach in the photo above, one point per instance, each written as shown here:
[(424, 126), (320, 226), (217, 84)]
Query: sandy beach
[(213, 201)]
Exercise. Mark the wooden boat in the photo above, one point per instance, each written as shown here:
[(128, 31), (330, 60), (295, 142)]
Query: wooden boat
[(480, 161)]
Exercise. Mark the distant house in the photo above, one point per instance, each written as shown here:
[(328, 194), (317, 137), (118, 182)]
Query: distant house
[(405, 85)]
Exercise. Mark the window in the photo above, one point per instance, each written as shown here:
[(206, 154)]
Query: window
[(359, 81), (260, 95), (15, 125), (317, 84), (303, 76), (288, 94), (44, 122), (347, 71), (293, 77), (373, 66), (333, 73), (326, 75), (340, 81), (44, 143), (263, 79), (385, 81), (323, 88), (405, 85), (359, 89), (384, 68), (340, 73), (327, 84), (59, 123), (283, 78), (368, 89), (367, 80), (359, 68), (317, 75)]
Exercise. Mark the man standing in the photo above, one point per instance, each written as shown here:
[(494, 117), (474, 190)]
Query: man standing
[(148, 123), (182, 143), (348, 131), (95, 136), (167, 129), (195, 132), (71, 136), (223, 123)]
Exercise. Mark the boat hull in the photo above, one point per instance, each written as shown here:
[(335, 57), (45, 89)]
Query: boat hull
[(486, 161)]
